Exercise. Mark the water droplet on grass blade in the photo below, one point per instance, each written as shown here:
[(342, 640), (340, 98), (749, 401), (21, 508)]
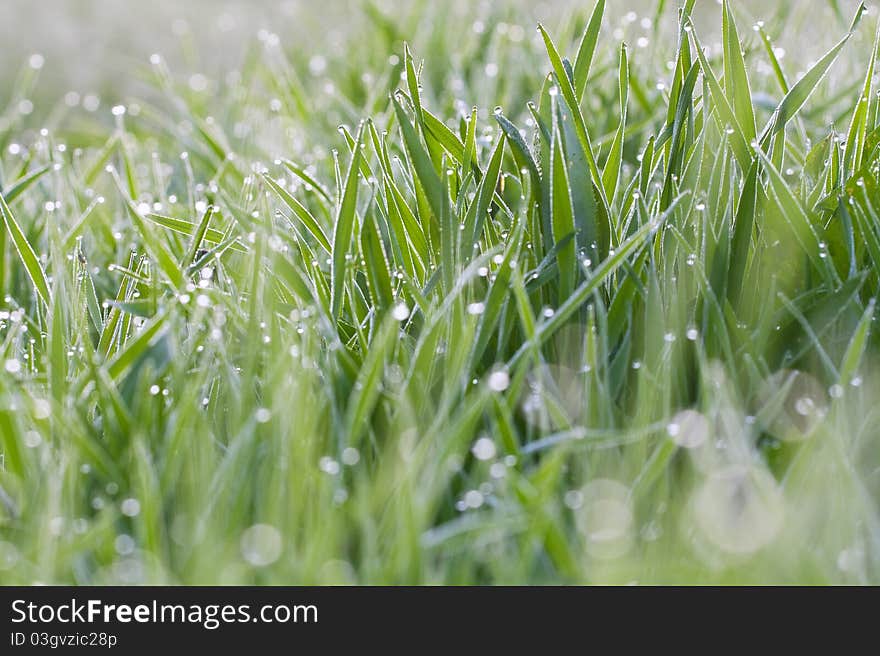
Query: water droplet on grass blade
[(689, 429), (130, 507), (484, 449), (350, 456), (497, 470), (400, 312), (574, 499), (124, 544), (498, 381), (261, 545), (328, 465), (473, 499)]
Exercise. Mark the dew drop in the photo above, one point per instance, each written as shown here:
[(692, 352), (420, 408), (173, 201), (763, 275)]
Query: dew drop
[(400, 312), (261, 545), (484, 449), (499, 381), (130, 507)]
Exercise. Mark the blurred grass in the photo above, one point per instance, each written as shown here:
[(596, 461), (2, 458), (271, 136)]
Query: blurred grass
[(323, 315)]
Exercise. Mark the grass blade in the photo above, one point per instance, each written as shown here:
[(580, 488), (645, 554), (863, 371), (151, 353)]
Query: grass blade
[(25, 253), (587, 49), (803, 88), (344, 229), (736, 81), (299, 210), (565, 86), (20, 186), (562, 214)]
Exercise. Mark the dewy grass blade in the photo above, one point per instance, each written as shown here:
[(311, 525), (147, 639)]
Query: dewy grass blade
[(20, 186), (565, 86), (199, 236), (479, 209), (26, 253), (469, 160), (857, 135), (184, 227), (412, 83), (446, 137), (137, 347), (587, 49), (344, 229), (101, 159), (369, 381), (614, 163), (521, 151), (804, 87), (743, 228), (421, 161), (496, 298), (378, 276), (563, 216), (58, 365), (156, 247), (854, 355), (736, 80), (299, 210), (802, 229), (601, 274), (774, 60), (450, 242), (726, 116), (677, 147), (301, 173)]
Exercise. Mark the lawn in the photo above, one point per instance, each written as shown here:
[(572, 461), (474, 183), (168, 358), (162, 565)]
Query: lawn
[(442, 298)]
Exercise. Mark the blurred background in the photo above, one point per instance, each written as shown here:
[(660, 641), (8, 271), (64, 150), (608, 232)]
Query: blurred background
[(101, 48)]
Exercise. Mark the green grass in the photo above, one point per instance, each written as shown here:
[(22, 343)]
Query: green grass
[(610, 331)]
